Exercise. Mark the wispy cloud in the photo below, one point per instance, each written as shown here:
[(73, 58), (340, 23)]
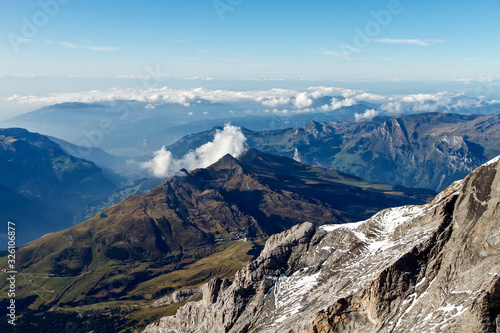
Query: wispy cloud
[(25, 40), (419, 42), (333, 53), (89, 47)]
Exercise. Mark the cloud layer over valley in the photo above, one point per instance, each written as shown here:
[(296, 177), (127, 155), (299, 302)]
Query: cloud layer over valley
[(276, 100)]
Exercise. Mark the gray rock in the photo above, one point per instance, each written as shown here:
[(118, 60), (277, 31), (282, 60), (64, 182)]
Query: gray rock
[(176, 297)]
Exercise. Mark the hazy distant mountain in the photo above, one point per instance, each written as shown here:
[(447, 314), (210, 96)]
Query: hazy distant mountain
[(121, 126), (132, 123), (194, 226), (431, 268), (429, 150), (113, 167), (256, 123), (94, 154), (44, 185), (132, 129)]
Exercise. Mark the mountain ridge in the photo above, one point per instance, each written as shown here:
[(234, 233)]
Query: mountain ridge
[(433, 267), (427, 150), (174, 236)]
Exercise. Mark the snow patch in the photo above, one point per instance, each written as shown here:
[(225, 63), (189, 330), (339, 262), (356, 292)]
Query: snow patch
[(492, 161), (288, 291), (385, 223), (332, 227)]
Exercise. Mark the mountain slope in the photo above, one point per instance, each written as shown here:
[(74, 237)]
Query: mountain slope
[(432, 268), (54, 185), (428, 150)]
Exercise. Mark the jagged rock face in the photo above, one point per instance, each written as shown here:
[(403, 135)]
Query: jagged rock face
[(432, 268)]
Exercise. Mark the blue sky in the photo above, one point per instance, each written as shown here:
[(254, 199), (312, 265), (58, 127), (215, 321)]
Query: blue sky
[(289, 39), (85, 45)]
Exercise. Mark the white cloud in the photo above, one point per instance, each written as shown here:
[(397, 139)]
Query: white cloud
[(92, 48), (424, 97), (333, 53), (273, 102), (302, 100), (228, 141), (429, 102), (369, 97), (338, 103), (467, 103), (392, 107), (368, 115), (272, 98), (317, 92), (419, 42)]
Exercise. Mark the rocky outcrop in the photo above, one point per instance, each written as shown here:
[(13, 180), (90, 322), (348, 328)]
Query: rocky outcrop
[(176, 297), (431, 268)]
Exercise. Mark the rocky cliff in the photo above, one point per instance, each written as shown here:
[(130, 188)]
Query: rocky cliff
[(431, 268)]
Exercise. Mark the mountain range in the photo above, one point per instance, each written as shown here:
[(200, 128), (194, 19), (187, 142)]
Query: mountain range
[(429, 268), (208, 222), (131, 129), (428, 150), (145, 250)]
